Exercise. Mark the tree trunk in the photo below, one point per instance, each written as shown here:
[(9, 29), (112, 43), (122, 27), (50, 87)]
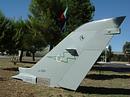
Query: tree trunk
[(129, 59), (21, 56), (33, 56), (51, 46)]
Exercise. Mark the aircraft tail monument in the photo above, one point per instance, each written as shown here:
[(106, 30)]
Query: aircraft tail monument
[(67, 64)]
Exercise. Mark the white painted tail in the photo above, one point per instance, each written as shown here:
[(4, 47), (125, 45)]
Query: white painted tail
[(68, 63)]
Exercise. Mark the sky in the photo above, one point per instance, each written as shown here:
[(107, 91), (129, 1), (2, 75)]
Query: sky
[(114, 8), (104, 9), (15, 8)]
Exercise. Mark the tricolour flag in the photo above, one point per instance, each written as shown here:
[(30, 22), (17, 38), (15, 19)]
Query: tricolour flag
[(62, 19)]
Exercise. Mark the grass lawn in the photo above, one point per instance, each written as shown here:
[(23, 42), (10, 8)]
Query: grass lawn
[(97, 83)]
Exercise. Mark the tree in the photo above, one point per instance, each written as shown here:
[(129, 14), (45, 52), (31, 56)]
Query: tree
[(80, 12), (43, 22), (20, 35), (126, 50), (27, 38), (47, 13), (36, 41), (21, 30), (7, 43), (2, 28)]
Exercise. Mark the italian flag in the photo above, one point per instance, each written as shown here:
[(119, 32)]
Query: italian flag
[(62, 19)]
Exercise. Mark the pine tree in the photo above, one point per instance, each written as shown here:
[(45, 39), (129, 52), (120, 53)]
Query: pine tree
[(50, 21)]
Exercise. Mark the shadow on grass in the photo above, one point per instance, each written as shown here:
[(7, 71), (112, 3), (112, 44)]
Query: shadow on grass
[(30, 62), (114, 69), (106, 77), (2, 79), (11, 69), (103, 90)]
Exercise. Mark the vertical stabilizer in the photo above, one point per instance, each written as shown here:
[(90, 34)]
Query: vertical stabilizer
[(68, 63)]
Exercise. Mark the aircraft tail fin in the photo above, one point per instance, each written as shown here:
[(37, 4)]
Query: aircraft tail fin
[(67, 64)]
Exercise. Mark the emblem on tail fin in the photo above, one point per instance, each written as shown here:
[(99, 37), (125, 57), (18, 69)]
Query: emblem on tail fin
[(68, 55)]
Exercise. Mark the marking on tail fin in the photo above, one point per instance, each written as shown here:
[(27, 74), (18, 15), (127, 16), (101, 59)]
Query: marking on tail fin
[(63, 57), (81, 37)]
